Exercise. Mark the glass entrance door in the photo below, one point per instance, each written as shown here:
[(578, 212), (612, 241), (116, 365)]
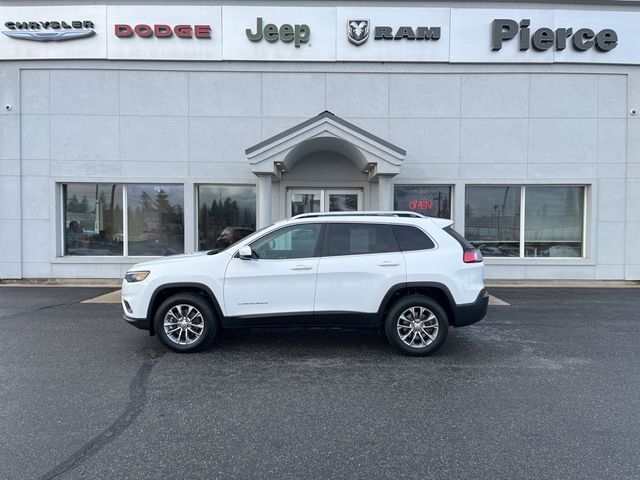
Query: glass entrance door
[(323, 200)]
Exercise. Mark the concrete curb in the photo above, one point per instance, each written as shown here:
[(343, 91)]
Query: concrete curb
[(562, 284)]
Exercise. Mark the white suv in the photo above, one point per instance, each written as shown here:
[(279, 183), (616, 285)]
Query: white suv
[(409, 275)]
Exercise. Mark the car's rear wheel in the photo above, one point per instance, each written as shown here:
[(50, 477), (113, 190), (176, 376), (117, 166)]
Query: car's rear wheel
[(417, 325), (185, 322)]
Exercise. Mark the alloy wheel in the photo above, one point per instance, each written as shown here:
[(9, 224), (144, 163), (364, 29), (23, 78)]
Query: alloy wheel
[(417, 326), (183, 324)]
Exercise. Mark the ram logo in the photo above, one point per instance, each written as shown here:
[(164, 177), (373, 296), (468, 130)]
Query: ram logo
[(358, 31)]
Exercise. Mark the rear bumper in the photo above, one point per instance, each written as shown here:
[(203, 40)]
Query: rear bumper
[(141, 323), (471, 312)]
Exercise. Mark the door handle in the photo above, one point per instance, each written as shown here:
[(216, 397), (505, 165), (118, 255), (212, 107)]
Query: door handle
[(302, 267), (388, 264)]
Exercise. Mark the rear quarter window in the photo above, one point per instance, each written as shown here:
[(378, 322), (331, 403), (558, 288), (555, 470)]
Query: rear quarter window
[(464, 243), (412, 238)]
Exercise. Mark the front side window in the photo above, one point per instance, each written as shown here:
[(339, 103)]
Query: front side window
[(526, 221), (156, 219), (92, 219), (226, 214), (359, 239), (297, 241), (429, 200)]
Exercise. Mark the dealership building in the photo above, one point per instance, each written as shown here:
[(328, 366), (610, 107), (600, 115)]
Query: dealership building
[(134, 131)]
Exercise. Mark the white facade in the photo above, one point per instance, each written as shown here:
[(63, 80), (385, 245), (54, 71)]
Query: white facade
[(455, 114)]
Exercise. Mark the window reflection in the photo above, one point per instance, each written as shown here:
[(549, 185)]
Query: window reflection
[(226, 214), (492, 219), (553, 221), (156, 219), (92, 219)]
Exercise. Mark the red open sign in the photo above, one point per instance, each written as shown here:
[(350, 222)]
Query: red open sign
[(420, 205)]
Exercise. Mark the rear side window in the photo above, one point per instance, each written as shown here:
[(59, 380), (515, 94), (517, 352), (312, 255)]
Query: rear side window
[(359, 239), (412, 238), (464, 243)]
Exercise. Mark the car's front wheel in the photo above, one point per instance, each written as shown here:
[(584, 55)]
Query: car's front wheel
[(185, 323), (417, 325)]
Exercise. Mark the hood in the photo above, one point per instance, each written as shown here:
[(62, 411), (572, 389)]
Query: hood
[(186, 257)]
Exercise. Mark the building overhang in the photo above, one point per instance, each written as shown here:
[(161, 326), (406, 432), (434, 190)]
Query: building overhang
[(326, 132)]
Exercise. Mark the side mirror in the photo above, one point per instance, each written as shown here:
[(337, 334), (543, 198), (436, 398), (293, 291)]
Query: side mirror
[(245, 253)]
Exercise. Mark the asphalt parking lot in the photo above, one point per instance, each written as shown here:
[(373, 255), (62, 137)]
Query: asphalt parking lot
[(545, 388)]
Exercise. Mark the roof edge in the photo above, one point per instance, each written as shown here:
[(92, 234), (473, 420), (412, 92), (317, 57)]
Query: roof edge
[(331, 116)]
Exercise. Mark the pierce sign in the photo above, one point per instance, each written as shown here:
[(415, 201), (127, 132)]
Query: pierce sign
[(545, 38)]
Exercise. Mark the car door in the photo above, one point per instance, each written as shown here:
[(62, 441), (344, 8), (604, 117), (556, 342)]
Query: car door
[(280, 279), (360, 262)]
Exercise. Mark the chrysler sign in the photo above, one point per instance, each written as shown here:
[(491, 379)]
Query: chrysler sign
[(49, 30)]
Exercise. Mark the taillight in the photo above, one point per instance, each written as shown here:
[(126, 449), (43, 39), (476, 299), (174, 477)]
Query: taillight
[(472, 256)]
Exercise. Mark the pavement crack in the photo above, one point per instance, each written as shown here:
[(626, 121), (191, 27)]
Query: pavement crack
[(135, 405), (39, 309)]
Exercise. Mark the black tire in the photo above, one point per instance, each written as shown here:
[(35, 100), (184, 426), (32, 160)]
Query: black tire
[(394, 333), (209, 330)]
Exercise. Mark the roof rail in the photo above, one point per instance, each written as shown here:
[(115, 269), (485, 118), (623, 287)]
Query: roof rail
[(361, 214)]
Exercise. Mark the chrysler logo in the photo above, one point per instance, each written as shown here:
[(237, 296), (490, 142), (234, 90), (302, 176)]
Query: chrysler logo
[(358, 31), (54, 31)]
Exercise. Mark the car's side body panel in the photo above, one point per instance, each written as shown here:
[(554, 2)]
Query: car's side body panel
[(265, 287), (352, 290)]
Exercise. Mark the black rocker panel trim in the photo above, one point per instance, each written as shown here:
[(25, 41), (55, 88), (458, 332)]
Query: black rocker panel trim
[(304, 319)]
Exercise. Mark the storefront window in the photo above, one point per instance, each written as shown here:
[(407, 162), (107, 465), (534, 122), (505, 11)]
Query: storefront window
[(429, 200), (226, 214), (553, 220), (155, 219), (92, 219), (492, 219)]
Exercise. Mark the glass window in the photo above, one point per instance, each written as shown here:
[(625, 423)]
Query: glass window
[(411, 238), (92, 219), (226, 214), (429, 200), (343, 202), (359, 239), (155, 219), (553, 221), (297, 241), (492, 219), (304, 203)]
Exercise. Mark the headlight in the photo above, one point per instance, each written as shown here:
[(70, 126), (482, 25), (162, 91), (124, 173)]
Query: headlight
[(133, 277)]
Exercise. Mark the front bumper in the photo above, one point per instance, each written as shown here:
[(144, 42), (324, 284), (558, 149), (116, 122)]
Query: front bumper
[(141, 323), (471, 312)]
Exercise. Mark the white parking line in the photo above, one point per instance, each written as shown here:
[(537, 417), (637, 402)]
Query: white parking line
[(111, 297), (496, 301)]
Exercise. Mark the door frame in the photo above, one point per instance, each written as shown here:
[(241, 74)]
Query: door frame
[(324, 193)]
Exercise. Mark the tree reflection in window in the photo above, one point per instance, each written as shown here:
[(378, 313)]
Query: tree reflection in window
[(226, 214), (93, 219), (156, 219)]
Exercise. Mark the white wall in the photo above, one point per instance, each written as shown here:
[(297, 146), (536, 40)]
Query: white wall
[(190, 123)]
